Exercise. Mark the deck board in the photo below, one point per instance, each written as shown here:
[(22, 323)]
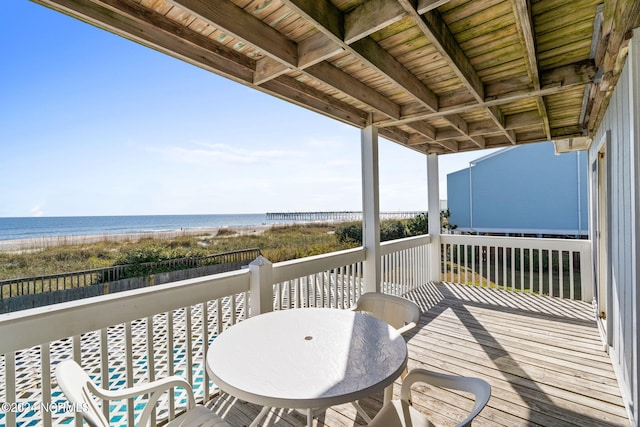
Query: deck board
[(542, 356)]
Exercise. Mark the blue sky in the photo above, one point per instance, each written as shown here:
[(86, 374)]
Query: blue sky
[(94, 124)]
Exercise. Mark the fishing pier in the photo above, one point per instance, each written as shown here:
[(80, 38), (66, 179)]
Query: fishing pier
[(336, 216)]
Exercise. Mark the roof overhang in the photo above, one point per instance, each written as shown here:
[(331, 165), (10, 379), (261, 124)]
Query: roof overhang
[(436, 76)]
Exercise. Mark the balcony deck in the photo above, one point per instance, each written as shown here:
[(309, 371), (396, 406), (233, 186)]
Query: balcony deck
[(542, 356)]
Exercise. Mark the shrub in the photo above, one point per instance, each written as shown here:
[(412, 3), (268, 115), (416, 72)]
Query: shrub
[(350, 233), (392, 230), (418, 225)]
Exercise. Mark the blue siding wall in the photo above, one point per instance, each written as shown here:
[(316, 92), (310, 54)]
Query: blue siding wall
[(525, 189), (459, 205)]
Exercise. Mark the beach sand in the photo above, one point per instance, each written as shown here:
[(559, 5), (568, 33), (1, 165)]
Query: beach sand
[(43, 242)]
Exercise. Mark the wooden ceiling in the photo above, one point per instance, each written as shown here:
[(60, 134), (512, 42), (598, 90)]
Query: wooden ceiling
[(438, 76)]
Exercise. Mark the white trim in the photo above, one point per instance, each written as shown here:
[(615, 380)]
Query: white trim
[(433, 193), (634, 134), (371, 209), (571, 232), (488, 156)]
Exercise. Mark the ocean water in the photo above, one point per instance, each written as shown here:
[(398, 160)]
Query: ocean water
[(36, 227)]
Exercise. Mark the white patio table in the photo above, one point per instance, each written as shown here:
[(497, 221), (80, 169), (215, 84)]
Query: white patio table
[(306, 359)]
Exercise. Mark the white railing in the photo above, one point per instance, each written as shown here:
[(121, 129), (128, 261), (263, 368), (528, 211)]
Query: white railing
[(335, 280), (328, 280), (135, 336), (405, 264), (140, 335), (120, 339), (555, 267)]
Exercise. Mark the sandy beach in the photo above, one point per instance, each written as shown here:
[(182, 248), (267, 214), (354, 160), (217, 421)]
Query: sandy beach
[(40, 242)]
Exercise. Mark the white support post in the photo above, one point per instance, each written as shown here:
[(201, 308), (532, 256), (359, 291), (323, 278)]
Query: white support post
[(433, 196), (371, 210), (261, 286)]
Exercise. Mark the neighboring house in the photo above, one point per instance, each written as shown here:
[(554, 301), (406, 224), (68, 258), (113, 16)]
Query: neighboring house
[(527, 189)]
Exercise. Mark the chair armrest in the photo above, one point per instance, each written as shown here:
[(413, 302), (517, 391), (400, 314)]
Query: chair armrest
[(479, 387), (162, 385), (407, 328), (155, 389)]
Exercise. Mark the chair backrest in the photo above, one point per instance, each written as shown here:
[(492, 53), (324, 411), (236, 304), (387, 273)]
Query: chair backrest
[(476, 386), (396, 311), (75, 384)]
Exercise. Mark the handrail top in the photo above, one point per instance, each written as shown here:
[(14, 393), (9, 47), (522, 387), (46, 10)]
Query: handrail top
[(525, 242)]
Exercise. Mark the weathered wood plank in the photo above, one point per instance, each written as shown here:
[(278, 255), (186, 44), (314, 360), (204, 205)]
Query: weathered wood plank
[(444, 63), (316, 48), (370, 17), (244, 26), (541, 355)]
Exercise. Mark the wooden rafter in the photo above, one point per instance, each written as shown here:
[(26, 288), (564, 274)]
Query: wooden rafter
[(433, 75), (554, 81), (230, 18), (330, 21), (524, 24), (611, 52), (370, 17), (431, 24)]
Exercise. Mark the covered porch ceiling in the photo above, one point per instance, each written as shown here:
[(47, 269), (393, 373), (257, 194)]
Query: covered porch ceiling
[(437, 76)]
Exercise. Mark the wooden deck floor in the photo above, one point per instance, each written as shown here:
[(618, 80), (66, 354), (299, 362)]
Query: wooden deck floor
[(542, 356)]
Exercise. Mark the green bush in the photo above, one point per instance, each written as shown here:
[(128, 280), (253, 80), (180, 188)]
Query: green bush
[(418, 225), (349, 233), (392, 230)]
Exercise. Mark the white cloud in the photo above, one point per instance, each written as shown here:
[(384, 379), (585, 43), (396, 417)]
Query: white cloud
[(334, 144), (36, 210), (224, 153)]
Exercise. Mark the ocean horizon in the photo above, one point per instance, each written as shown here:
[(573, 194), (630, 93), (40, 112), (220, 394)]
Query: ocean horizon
[(36, 227)]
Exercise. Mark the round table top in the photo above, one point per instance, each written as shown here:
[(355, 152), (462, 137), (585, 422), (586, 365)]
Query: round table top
[(306, 358)]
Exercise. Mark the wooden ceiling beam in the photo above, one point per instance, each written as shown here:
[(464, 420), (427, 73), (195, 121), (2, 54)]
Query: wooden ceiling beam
[(141, 25), (432, 25), (524, 25), (479, 141), (370, 17), (294, 64), (379, 58), (452, 146), (434, 28), (268, 69), (337, 79), (327, 19), (425, 6), (396, 135), (311, 98), (134, 22), (234, 20), (311, 51), (554, 81), (476, 131), (620, 17), (424, 129), (315, 49), (230, 18)]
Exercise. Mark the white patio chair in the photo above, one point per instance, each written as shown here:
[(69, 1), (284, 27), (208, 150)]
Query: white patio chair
[(80, 391), (400, 413), (398, 312)]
